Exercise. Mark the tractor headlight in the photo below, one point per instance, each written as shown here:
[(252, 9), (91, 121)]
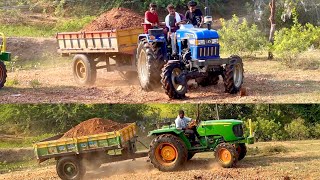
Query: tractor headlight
[(215, 41), (197, 42)]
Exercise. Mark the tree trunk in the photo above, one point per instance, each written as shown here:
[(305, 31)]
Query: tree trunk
[(272, 20)]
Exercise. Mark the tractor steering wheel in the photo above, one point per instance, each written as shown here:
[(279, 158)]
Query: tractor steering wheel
[(192, 124)]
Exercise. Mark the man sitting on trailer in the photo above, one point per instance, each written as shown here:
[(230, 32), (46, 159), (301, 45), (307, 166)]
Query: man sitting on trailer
[(182, 123), (151, 16)]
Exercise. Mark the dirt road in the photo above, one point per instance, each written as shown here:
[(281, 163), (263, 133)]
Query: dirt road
[(296, 162), (266, 82)]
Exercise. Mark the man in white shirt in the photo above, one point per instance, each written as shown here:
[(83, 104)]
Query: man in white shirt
[(178, 19), (182, 123)]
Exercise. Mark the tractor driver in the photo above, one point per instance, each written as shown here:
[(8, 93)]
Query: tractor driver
[(178, 19), (182, 123)]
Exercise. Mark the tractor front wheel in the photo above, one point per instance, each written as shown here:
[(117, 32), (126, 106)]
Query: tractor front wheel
[(172, 88), (168, 152), (233, 75), (149, 63), (242, 151), (84, 70), (70, 168), (3, 74), (226, 155)]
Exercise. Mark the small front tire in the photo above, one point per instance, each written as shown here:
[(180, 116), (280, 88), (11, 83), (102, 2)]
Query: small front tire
[(233, 75), (226, 155)]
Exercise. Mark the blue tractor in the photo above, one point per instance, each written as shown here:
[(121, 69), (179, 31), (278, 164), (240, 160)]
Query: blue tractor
[(189, 53)]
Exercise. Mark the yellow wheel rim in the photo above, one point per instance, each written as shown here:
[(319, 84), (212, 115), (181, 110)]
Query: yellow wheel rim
[(166, 154), (224, 156), (81, 70)]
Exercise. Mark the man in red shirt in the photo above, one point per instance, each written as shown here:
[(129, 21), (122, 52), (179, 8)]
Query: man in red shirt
[(151, 16)]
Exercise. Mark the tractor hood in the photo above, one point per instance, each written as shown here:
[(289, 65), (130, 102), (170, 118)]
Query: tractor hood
[(230, 129), (189, 32)]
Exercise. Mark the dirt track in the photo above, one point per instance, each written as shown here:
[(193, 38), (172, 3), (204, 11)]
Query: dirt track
[(297, 163), (266, 82)]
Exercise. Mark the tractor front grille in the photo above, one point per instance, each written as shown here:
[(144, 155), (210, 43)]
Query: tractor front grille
[(210, 51), (238, 130)]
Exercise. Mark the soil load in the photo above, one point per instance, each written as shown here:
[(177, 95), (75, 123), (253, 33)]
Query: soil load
[(116, 18), (93, 126)]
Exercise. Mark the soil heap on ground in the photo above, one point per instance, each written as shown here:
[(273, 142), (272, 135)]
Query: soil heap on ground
[(93, 126), (116, 18)]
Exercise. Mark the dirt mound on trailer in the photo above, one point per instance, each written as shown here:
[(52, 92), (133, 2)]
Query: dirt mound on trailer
[(93, 126), (116, 18)]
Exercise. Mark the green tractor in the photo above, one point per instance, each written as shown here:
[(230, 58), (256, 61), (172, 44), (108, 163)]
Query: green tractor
[(172, 148), (4, 56)]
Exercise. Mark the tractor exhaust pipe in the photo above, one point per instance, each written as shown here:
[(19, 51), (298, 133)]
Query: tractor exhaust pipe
[(207, 19)]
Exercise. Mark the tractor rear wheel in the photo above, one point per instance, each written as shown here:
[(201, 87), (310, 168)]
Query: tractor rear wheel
[(226, 155), (242, 151), (84, 70), (168, 79), (233, 75), (149, 63), (168, 152), (3, 74), (70, 168)]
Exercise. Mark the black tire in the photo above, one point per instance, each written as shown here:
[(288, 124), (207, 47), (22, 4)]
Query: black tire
[(226, 155), (233, 75), (172, 89), (70, 168), (190, 155), (150, 60), (84, 70), (242, 151), (168, 141), (3, 74)]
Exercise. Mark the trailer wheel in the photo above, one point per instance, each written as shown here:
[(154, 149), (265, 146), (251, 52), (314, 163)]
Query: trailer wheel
[(233, 75), (70, 168), (242, 151), (168, 152), (226, 155), (3, 74), (84, 70), (149, 63), (168, 79)]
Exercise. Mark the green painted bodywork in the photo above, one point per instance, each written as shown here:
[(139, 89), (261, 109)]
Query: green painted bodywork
[(211, 133), (5, 56)]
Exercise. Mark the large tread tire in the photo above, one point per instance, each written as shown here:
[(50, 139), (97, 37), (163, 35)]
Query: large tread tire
[(181, 152), (3, 74), (242, 151), (233, 75), (167, 81), (226, 155), (150, 60), (84, 70), (71, 163)]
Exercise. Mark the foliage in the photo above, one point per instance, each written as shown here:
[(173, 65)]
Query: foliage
[(238, 37), (297, 129), (290, 42), (267, 130)]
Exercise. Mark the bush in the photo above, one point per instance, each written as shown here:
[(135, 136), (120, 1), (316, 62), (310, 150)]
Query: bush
[(315, 131), (289, 43), (240, 38), (297, 129), (267, 130)]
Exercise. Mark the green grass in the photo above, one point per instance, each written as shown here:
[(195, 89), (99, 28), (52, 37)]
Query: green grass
[(45, 30), (22, 142), (21, 165)]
